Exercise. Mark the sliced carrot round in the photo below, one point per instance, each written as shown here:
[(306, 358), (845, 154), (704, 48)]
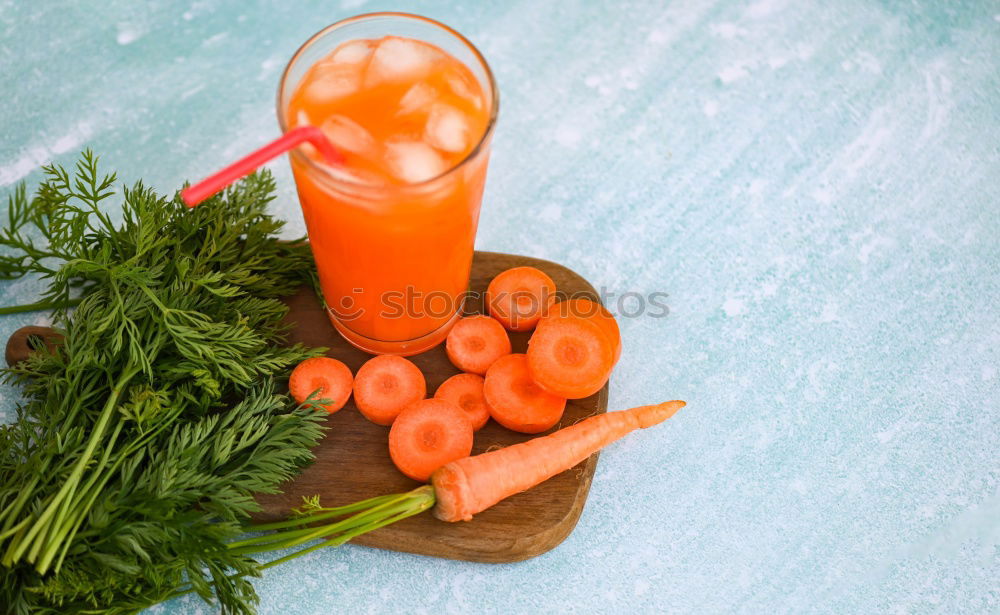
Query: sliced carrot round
[(585, 308), (516, 401), (475, 342), (518, 297), (385, 385), (428, 434), (328, 378), (466, 390), (570, 356)]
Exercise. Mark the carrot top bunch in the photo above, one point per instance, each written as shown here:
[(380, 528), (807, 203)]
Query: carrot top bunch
[(141, 440)]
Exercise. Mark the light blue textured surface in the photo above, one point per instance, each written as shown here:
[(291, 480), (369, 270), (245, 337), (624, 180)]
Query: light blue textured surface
[(816, 185)]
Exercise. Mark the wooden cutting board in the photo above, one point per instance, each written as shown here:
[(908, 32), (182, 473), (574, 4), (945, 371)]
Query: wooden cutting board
[(352, 461)]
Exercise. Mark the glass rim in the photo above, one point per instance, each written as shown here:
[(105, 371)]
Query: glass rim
[(325, 171)]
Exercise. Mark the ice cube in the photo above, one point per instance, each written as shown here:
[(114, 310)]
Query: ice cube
[(447, 129), (413, 161), (352, 52), (348, 135), (354, 175), (420, 97), (462, 88), (333, 81), (398, 59)]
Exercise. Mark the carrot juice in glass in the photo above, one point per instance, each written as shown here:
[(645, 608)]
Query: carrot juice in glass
[(410, 105)]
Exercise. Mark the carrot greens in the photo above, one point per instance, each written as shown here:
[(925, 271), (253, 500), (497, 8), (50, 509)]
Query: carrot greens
[(141, 440)]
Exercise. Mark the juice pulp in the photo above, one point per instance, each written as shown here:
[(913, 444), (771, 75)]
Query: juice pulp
[(392, 228)]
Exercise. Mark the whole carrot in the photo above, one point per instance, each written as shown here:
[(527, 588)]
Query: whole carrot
[(473, 484)]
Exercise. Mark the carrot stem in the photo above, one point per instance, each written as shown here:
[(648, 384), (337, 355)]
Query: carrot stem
[(38, 529), (38, 306), (327, 513), (87, 503), (412, 503), (386, 510), (336, 542), (294, 538)]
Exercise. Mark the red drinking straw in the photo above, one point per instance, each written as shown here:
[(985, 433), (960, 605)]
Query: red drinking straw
[(192, 195)]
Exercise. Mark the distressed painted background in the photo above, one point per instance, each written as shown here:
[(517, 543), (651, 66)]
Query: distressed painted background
[(816, 187)]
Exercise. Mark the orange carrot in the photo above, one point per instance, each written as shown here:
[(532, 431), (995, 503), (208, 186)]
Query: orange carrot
[(594, 311), (466, 390), (570, 356), (518, 297), (328, 378), (385, 385), (475, 342), (468, 486), (515, 401), (428, 434)]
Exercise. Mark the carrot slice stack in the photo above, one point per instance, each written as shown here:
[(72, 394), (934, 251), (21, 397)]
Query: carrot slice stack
[(595, 312), (515, 401), (570, 356)]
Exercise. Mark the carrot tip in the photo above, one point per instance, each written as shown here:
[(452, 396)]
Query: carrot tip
[(657, 413), (467, 486)]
